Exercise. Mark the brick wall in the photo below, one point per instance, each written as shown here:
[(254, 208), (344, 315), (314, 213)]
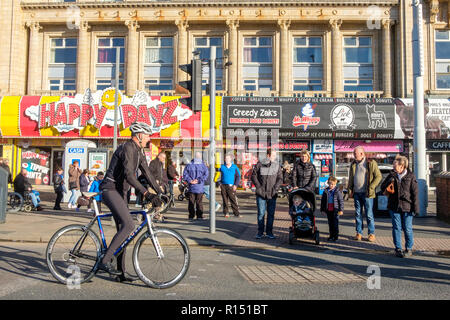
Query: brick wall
[(443, 196)]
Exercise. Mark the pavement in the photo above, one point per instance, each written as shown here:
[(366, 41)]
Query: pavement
[(430, 234)]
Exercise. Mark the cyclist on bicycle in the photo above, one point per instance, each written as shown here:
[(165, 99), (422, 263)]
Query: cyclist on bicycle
[(121, 174)]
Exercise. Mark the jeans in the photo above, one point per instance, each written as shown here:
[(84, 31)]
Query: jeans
[(73, 198), (333, 224), (402, 222), (262, 205), (361, 201), (35, 199), (170, 183), (206, 193)]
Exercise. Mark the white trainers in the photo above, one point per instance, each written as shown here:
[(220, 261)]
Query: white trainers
[(218, 206), (90, 210)]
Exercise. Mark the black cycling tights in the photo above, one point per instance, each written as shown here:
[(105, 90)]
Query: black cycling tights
[(124, 224)]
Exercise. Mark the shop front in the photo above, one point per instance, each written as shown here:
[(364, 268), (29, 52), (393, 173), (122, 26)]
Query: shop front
[(315, 124), (438, 159), (40, 133)]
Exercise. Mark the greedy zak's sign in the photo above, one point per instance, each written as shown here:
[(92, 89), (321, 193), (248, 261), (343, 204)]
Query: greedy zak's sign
[(97, 109)]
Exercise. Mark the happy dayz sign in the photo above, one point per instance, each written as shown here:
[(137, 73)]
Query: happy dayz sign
[(97, 109)]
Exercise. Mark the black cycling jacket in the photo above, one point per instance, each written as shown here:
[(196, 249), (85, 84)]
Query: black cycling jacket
[(121, 173)]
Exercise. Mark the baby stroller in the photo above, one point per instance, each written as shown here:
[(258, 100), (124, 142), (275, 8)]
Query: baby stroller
[(303, 220), (183, 187)]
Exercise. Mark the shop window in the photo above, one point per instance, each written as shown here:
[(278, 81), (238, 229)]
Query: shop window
[(158, 66), (358, 64), (442, 59)]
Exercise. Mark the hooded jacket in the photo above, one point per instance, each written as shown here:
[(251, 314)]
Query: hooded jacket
[(267, 178), (304, 175), (406, 192)]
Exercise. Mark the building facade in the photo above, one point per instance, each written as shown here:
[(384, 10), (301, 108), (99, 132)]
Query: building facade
[(322, 49)]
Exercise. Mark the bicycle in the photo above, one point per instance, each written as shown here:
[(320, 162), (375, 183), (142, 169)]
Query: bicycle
[(155, 250)]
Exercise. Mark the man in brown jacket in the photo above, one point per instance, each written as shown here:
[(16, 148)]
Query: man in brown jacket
[(364, 177)]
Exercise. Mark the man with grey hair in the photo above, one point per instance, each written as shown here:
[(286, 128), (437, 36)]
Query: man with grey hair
[(364, 177)]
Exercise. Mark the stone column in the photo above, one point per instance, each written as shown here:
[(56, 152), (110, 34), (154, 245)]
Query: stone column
[(83, 58), (387, 65), (132, 54), (33, 57), (233, 56), (336, 58), (284, 58), (182, 56)]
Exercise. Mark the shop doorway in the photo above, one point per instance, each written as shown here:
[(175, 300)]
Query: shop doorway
[(57, 161)]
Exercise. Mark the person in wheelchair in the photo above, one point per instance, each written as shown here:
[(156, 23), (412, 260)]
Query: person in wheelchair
[(24, 188)]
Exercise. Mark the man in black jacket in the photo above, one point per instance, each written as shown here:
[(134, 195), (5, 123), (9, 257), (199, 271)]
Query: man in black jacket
[(267, 178), (23, 186), (156, 167), (304, 174), (120, 176)]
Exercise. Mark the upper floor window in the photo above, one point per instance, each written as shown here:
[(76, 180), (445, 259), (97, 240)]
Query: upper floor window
[(442, 59), (203, 45), (106, 62), (62, 64), (158, 66), (358, 64), (307, 64), (257, 69)]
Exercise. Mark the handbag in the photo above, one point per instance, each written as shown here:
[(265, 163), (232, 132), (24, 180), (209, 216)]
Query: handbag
[(389, 189), (82, 201), (72, 185)]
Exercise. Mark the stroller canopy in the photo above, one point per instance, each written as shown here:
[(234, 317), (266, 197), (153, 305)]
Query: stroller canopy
[(306, 194)]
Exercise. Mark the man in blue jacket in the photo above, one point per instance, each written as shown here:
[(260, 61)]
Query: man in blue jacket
[(196, 174), (230, 177)]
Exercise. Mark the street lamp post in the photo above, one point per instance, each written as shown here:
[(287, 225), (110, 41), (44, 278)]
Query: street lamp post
[(420, 166), (212, 140), (116, 97)]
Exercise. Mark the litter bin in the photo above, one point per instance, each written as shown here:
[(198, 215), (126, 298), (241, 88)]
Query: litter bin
[(3, 194)]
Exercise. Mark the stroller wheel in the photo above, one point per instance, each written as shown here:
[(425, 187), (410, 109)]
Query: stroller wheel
[(291, 237), (28, 208), (317, 237), (180, 197)]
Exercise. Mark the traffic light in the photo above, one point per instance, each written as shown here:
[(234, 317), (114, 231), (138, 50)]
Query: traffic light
[(194, 86)]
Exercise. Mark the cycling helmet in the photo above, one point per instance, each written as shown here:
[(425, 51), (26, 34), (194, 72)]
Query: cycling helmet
[(140, 127)]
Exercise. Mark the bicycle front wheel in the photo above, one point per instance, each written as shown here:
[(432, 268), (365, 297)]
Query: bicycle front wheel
[(167, 270), (72, 254)]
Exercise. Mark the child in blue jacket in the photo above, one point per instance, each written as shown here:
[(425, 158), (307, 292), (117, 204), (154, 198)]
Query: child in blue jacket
[(95, 188), (332, 205)]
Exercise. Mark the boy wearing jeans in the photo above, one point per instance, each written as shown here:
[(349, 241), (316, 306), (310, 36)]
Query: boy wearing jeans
[(332, 205)]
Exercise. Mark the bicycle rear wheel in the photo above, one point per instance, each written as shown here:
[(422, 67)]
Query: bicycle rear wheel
[(70, 265), (162, 272)]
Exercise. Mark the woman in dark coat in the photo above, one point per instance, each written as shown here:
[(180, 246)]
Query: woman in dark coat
[(304, 174), (403, 203)]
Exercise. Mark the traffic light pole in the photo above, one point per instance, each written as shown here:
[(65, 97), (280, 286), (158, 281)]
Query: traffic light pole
[(212, 140)]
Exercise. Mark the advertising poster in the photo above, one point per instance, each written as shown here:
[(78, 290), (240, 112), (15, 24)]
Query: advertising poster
[(97, 163), (37, 164)]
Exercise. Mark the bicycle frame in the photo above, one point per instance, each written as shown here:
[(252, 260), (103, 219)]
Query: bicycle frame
[(98, 217)]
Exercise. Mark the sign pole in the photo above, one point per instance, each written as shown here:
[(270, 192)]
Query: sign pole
[(116, 97), (212, 142), (420, 166)]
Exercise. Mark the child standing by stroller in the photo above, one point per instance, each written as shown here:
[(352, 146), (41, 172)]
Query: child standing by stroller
[(332, 205)]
